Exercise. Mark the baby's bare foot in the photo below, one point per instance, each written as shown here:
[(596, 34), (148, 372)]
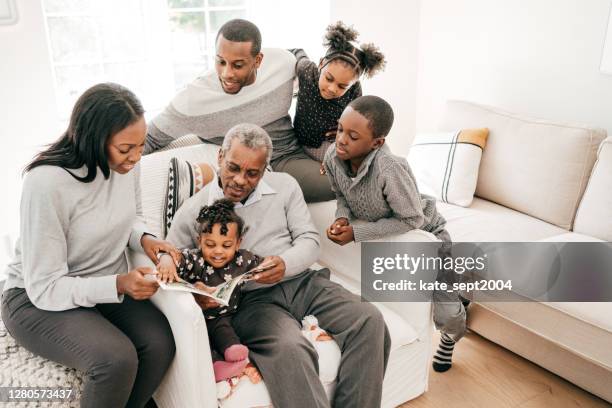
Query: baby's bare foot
[(252, 373)]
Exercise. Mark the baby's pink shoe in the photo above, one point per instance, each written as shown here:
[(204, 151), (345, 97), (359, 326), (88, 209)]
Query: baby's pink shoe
[(228, 369), (237, 352)]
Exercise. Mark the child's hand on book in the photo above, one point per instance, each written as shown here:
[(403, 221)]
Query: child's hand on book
[(204, 301), (167, 270)]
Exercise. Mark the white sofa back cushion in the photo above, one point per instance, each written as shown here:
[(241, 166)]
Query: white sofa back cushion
[(594, 215), (154, 179), (536, 167)]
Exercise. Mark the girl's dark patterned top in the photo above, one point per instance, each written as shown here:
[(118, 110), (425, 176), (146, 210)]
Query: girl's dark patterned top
[(314, 115), (193, 268)]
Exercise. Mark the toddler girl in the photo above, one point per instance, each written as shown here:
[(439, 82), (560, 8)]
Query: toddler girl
[(218, 259)]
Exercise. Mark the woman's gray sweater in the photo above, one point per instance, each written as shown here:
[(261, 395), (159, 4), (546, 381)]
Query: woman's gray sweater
[(74, 236)]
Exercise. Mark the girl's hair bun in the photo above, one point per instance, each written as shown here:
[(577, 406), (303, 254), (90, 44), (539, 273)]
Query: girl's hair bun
[(339, 36), (372, 60), (366, 59)]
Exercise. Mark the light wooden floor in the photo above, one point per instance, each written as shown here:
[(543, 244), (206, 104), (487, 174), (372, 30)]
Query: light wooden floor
[(487, 375)]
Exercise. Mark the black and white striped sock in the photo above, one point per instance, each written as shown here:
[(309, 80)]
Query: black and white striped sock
[(442, 360)]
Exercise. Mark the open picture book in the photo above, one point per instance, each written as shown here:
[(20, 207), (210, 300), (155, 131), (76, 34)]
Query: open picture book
[(223, 292)]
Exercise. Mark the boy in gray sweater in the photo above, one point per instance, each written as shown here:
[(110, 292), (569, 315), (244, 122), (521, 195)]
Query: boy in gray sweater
[(373, 185)]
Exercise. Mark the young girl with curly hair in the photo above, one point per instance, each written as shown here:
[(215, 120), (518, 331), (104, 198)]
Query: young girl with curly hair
[(327, 88)]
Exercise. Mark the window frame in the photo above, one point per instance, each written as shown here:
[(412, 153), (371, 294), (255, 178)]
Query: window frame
[(152, 13)]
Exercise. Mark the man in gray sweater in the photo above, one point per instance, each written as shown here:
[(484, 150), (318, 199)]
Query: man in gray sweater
[(243, 87), (267, 322)]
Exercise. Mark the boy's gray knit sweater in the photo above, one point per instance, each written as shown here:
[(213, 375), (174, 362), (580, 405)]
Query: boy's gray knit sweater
[(383, 193)]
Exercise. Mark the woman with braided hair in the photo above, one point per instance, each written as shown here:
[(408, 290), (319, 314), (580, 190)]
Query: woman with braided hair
[(327, 88), (217, 260)]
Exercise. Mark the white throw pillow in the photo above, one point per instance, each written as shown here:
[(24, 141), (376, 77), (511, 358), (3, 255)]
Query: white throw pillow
[(154, 180), (446, 164), (184, 180)]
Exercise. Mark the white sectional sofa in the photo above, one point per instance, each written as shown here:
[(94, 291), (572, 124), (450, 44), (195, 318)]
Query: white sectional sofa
[(189, 382), (540, 181)]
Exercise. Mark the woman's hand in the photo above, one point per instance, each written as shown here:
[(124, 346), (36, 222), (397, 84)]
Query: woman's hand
[(152, 246), (167, 269), (204, 301), (136, 285)]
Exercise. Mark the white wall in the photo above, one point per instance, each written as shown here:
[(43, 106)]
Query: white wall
[(538, 57), (286, 25), (27, 105), (393, 26)]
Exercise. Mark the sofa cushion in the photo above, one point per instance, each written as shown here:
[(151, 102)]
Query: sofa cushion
[(408, 318), (184, 180), (536, 167), (246, 394), (598, 314), (401, 332), (594, 215), (571, 237), (445, 164), (154, 179), (485, 221)]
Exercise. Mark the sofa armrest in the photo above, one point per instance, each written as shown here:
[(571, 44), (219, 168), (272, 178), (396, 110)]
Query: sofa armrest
[(190, 380), (345, 263)]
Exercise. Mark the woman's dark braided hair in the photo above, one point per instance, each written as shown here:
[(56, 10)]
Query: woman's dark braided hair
[(365, 59), (220, 212)]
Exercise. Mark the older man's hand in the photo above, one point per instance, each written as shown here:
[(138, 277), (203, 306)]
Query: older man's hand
[(274, 274)]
